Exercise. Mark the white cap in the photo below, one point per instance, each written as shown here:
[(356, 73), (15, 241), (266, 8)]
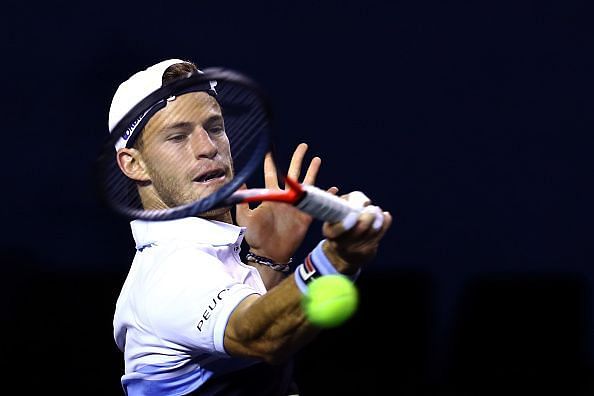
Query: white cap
[(134, 90)]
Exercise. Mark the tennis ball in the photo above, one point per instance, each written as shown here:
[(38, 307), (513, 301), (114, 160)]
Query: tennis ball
[(330, 300)]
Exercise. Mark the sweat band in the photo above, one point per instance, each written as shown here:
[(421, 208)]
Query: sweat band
[(316, 264)]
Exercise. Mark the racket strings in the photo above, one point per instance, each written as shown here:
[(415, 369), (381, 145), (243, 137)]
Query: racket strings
[(250, 123), (243, 140)]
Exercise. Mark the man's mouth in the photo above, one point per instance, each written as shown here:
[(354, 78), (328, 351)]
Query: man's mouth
[(211, 175)]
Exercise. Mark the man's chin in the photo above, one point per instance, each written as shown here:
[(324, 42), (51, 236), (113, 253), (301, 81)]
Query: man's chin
[(215, 214)]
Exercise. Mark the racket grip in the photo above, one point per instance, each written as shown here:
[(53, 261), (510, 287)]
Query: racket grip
[(325, 206)]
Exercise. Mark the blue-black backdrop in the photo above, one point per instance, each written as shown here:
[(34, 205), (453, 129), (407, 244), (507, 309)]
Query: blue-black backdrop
[(470, 121)]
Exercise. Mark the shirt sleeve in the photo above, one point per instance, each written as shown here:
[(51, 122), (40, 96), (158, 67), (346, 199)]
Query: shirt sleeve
[(191, 298)]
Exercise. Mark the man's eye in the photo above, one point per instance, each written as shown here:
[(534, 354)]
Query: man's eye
[(216, 129), (177, 138)]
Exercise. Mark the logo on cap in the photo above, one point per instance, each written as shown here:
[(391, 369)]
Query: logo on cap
[(131, 128)]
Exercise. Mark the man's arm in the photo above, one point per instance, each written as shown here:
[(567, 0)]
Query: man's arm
[(270, 327), (273, 326)]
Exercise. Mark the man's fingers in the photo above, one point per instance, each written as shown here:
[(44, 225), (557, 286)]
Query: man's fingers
[(270, 174), (366, 220), (296, 161), (378, 216), (362, 220), (242, 210), (349, 221), (374, 233), (312, 171), (371, 220), (385, 225)]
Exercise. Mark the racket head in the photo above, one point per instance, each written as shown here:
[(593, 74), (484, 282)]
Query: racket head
[(247, 117)]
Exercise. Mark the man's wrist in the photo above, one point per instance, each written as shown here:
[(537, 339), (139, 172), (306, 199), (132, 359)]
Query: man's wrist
[(284, 267), (317, 264), (271, 257), (341, 265)]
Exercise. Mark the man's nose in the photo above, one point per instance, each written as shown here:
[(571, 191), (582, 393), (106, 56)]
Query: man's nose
[(202, 144)]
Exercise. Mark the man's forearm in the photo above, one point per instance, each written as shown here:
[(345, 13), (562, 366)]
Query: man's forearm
[(270, 327)]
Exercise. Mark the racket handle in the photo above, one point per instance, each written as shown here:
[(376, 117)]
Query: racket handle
[(325, 206)]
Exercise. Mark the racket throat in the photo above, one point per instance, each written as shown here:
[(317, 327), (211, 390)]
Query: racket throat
[(293, 195), (296, 191)]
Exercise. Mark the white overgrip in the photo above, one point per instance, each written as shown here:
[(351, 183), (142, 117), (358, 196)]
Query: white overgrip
[(328, 207)]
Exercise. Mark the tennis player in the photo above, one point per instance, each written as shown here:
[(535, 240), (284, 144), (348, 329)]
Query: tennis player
[(191, 317)]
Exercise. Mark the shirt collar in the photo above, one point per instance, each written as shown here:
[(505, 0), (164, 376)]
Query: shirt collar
[(190, 229)]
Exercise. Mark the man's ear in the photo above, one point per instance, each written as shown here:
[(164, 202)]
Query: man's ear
[(130, 162)]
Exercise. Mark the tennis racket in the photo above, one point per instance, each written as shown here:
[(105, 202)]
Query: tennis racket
[(232, 114)]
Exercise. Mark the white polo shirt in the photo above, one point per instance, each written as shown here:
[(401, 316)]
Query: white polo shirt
[(170, 317)]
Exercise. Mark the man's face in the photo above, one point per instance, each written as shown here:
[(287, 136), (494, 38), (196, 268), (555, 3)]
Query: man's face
[(185, 150)]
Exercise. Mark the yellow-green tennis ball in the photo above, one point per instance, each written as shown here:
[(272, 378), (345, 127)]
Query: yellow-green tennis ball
[(330, 300)]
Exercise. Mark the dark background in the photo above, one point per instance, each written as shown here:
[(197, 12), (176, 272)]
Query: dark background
[(470, 121)]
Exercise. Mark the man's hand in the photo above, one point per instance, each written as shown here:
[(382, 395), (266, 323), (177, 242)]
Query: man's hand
[(275, 230), (349, 249)]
